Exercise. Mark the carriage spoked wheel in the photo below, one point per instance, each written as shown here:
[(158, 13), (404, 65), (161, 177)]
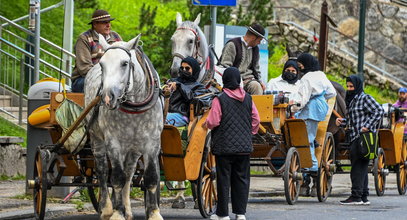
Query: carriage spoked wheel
[(292, 176), (206, 183), (401, 172), (379, 173), (41, 184), (326, 169)]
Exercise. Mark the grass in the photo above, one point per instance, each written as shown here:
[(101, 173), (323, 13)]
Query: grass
[(18, 177), (9, 129)]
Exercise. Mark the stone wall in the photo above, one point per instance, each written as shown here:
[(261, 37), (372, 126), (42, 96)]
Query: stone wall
[(12, 156), (386, 32), (339, 63)]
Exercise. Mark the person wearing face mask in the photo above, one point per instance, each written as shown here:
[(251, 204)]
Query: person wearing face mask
[(233, 119), (288, 81), (184, 88), (364, 114), (88, 51), (243, 53), (311, 104)]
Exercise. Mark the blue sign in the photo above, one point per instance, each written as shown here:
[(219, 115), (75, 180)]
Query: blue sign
[(214, 2)]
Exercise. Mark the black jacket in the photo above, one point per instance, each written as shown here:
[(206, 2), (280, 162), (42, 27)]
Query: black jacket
[(182, 97)]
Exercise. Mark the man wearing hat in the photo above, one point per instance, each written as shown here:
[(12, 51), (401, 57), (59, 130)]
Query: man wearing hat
[(88, 51), (243, 53), (402, 103)]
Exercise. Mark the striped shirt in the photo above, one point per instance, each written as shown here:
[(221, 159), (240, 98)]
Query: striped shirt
[(364, 111)]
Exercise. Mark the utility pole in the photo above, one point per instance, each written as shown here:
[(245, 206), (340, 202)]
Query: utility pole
[(68, 33), (361, 49), (213, 25), (323, 36), (34, 25)]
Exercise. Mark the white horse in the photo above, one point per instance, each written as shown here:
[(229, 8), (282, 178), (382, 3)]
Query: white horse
[(189, 40), (128, 125)]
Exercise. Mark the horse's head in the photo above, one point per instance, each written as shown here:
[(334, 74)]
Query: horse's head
[(119, 70), (186, 41)]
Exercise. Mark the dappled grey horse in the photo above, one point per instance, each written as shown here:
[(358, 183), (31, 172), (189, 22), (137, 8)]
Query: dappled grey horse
[(128, 125), (189, 40)]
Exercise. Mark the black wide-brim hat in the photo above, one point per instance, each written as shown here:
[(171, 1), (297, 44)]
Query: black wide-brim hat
[(257, 30), (100, 15)]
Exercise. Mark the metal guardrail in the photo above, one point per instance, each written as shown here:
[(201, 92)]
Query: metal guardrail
[(16, 63), (378, 70)]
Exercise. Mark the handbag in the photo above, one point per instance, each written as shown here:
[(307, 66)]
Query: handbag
[(368, 146)]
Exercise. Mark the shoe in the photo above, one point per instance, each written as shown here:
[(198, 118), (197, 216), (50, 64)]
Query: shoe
[(240, 217), (365, 201), (196, 205), (304, 191), (178, 204), (313, 191), (215, 217), (351, 201)]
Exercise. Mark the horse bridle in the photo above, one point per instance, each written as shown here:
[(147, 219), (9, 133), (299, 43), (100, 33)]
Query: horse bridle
[(153, 93), (197, 44)]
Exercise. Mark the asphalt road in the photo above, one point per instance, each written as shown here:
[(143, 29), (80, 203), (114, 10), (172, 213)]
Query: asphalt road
[(273, 205)]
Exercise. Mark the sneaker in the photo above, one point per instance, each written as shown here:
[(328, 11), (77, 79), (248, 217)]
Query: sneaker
[(196, 205), (365, 201), (178, 204), (304, 191), (215, 217), (351, 201), (240, 217)]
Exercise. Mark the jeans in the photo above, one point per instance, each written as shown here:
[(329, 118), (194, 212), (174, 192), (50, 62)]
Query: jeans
[(358, 172), (176, 119), (232, 172), (312, 127), (78, 84)]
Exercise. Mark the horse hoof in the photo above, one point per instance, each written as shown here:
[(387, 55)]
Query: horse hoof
[(155, 215), (117, 216)]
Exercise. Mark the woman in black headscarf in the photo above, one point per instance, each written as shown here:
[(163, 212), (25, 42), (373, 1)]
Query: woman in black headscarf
[(364, 114), (233, 119), (288, 80), (184, 88), (308, 63)]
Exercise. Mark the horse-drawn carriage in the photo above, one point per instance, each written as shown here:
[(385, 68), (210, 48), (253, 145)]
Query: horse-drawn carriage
[(283, 143), (391, 153)]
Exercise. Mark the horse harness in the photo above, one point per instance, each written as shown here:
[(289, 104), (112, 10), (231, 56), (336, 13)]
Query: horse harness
[(197, 44), (152, 78)]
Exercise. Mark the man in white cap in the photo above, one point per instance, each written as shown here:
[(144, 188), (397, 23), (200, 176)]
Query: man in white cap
[(88, 51), (243, 53)]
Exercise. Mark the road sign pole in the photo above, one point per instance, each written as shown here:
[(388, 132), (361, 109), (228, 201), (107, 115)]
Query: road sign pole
[(213, 25), (361, 46)]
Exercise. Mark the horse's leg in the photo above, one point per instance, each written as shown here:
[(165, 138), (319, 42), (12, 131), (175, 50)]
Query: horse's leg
[(151, 180), (129, 169), (102, 172), (117, 179)]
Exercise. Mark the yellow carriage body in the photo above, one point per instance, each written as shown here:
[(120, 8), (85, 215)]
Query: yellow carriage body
[(391, 141), (178, 166)]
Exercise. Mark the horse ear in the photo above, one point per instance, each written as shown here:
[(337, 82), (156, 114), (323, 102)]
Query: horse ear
[(133, 42), (197, 19), (179, 19), (289, 52), (103, 42)]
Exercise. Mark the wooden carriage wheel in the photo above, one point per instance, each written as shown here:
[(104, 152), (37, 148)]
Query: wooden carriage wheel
[(41, 184), (401, 172), (325, 172), (206, 184), (292, 181), (378, 173)]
